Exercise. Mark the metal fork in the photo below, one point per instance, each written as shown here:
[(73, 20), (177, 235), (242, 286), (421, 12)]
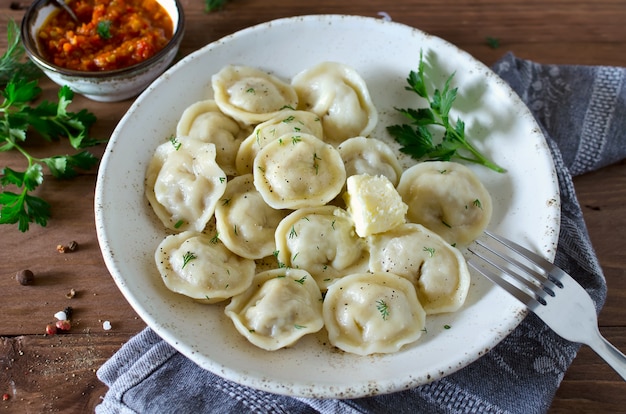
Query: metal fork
[(546, 290)]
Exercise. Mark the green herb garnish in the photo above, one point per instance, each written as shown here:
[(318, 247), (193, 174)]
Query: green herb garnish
[(175, 142), (215, 238), (52, 121), (383, 308), (292, 232), (493, 42), (13, 63), (103, 28), (188, 257), (417, 139), (213, 5)]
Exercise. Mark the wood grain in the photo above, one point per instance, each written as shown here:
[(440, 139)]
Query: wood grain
[(57, 374)]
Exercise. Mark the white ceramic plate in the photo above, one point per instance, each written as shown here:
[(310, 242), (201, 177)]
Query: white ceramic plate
[(526, 203)]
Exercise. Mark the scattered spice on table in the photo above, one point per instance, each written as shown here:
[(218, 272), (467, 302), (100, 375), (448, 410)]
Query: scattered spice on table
[(25, 277)]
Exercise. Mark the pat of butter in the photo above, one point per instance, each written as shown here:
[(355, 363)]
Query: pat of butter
[(374, 204)]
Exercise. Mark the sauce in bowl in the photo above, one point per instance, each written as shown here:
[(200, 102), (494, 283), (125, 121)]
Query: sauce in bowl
[(109, 35)]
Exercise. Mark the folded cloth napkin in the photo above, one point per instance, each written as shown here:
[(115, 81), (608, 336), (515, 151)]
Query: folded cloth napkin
[(582, 112)]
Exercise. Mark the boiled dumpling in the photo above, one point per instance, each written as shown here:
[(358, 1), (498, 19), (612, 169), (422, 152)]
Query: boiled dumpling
[(203, 120), (184, 183), (298, 170), (368, 313), (437, 269), (285, 122), (371, 156), (448, 198), (251, 95), (244, 222), (323, 241), (199, 266), (280, 307), (339, 95)]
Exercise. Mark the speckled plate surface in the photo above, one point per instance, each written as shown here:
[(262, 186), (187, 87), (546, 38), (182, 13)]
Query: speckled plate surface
[(526, 203)]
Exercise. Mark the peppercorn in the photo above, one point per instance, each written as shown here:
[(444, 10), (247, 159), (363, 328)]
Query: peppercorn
[(25, 277), (72, 246), (51, 329), (63, 325)]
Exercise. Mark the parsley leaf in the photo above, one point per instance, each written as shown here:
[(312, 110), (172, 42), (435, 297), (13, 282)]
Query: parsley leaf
[(493, 42), (416, 138), (52, 121), (13, 64), (103, 28)]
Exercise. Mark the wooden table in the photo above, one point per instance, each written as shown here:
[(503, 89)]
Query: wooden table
[(57, 373)]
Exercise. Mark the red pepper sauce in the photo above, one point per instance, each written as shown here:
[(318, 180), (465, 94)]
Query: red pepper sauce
[(111, 34)]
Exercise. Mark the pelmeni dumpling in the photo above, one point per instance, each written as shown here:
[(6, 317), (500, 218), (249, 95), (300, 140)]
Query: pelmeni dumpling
[(371, 156), (280, 307), (438, 270), (199, 266), (321, 240), (251, 95), (244, 222), (203, 120), (368, 313), (184, 183), (448, 198), (298, 170), (339, 95), (285, 122)]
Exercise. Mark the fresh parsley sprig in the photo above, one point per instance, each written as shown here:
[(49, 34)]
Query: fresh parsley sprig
[(13, 63), (416, 138), (52, 121)]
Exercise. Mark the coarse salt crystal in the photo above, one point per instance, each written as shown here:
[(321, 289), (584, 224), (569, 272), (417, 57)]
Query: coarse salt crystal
[(106, 325), (61, 316)]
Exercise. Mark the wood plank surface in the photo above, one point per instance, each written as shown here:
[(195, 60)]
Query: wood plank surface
[(57, 374)]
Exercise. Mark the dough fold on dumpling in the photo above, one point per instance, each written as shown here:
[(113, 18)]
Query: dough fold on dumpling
[(298, 170), (437, 269), (203, 120), (371, 156), (280, 307), (244, 221), (287, 121), (321, 240), (251, 95), (339, 95), (184, 183), (448, 198), (366, 313), (201, 267)]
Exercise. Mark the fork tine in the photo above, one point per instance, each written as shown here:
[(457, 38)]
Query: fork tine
[(549, 270), (534, 280), (531, 301)]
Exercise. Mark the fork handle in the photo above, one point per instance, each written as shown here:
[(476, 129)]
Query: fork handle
[(607, 351)]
